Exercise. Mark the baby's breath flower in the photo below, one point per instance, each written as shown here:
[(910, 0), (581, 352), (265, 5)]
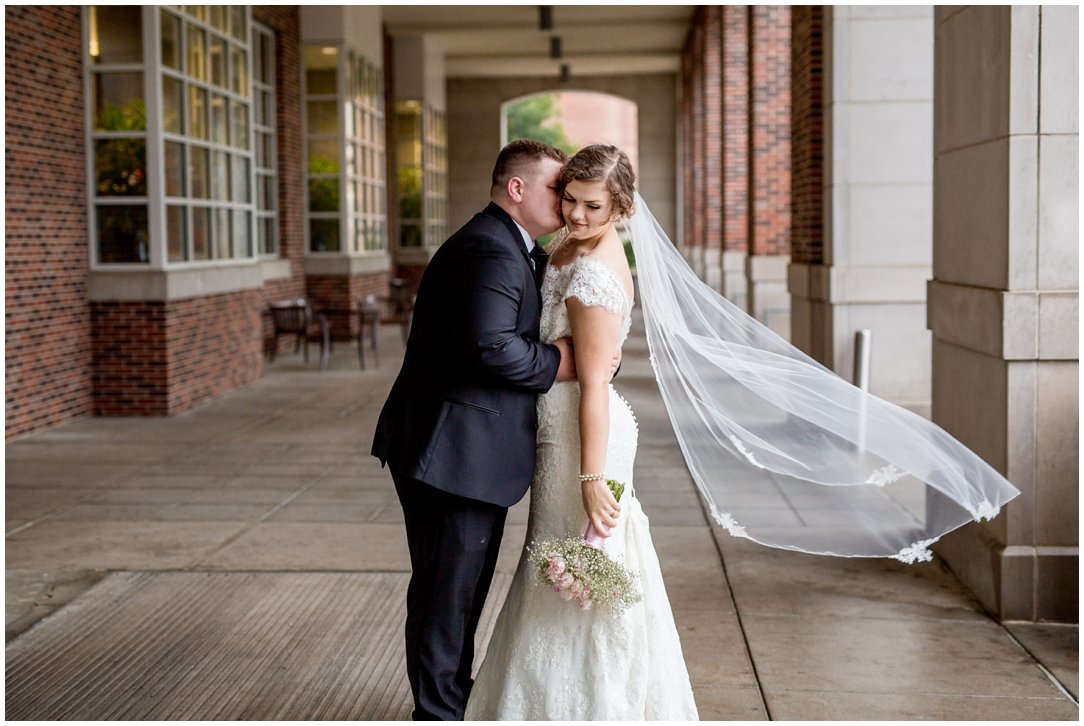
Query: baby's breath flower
[(591, 578)]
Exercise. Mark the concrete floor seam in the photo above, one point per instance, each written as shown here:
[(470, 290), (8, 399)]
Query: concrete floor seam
[(1045, 671)]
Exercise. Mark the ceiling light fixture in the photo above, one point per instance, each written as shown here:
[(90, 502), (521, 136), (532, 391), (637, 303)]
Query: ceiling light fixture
[(555, 47)]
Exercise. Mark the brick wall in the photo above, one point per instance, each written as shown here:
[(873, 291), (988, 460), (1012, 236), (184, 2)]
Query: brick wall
[(769, 129), (687, 143), (164, 358), (735, 80), (47, 321), (712, 148), (698, 129), (807, 135)]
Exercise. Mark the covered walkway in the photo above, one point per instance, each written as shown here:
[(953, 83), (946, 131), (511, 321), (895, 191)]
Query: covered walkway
[(247, 561)]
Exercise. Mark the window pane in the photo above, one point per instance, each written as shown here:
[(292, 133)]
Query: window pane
[(122, 233), (268, 114), (218, 18), (221, 236), (175, 233), (218, 62), (238, 24), (115, 34), (268, 244), (220, 175), (238, 71), (265, 69), (171, 41), (197, 53), (199, 12), (197, 112), (242, 234), (118, 102), (174, 169), (120, 167), (320, 70), (323, 117), (172, 105), (241, 180), (197, 172), (219, 122), (323, 195), (267, 192), (324, 157), (324, 235), (201, 233), (239, 117)]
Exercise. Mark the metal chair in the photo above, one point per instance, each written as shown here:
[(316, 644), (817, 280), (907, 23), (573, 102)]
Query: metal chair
[(294, 317), (369, 311), (401, 303)]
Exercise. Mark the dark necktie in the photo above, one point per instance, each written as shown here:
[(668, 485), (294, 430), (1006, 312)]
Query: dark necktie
[(539, 259)]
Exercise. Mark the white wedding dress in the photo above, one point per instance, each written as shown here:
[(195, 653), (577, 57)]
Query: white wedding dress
[(547, 659)]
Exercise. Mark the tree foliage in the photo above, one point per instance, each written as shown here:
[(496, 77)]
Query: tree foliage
[(537, 118)]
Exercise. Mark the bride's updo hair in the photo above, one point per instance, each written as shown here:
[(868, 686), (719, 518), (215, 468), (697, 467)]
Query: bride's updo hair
[(603, 163)]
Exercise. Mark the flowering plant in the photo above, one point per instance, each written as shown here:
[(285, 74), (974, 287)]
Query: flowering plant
[(577, 571)]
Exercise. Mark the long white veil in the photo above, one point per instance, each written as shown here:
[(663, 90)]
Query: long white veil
[(786, 452)]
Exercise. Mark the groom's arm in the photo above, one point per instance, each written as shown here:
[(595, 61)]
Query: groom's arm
[(494, 289)]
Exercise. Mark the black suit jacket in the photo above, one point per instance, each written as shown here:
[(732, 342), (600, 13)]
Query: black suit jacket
[(461, 414)]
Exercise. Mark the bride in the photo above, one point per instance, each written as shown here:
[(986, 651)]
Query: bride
[(547, 659)]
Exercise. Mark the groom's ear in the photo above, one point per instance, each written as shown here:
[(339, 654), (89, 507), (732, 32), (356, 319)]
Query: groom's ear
[(515, 188)]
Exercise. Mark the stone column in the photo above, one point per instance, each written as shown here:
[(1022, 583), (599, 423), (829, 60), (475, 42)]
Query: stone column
[(877, 181), (1003, 304), (769, 166), (735, 153)]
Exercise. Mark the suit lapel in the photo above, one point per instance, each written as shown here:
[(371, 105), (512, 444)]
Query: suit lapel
[(495, 211)]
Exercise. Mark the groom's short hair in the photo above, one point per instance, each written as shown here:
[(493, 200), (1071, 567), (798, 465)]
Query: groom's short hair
[(517, 158)]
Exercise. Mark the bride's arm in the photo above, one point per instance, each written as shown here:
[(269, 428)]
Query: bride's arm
[(595, 332)]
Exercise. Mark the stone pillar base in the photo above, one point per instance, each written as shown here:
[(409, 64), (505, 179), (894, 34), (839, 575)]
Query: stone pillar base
[(1015, 582), (733, 285), (713, 268), (766, 294)]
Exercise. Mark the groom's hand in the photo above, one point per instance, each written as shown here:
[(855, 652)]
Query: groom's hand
[(566, 371)]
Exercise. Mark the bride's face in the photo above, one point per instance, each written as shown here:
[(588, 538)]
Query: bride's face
[(587, 208)]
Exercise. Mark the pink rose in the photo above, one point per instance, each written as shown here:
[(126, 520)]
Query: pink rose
[(556, 566), (565, 581)]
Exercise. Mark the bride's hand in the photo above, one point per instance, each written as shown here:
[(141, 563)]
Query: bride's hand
[(601, 507)]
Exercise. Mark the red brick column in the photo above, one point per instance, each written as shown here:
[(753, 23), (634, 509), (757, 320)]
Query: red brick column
[(769, 130), (695, 251), (687, 144), (712, 151), (735, 128), (769, 166), (47, 321), (807, 134)]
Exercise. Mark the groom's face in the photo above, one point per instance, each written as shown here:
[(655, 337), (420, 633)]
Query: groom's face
[(540, 209)]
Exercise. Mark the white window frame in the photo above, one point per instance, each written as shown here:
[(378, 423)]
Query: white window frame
[(271, 130), (155, 201)]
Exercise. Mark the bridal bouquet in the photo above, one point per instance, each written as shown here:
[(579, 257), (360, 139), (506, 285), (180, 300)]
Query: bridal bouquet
[(577, 570)]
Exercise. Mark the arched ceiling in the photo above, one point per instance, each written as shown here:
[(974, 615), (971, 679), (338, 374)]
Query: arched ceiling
[(499, 40)]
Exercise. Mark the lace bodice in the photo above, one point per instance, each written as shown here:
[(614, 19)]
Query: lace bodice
[(592, 283)]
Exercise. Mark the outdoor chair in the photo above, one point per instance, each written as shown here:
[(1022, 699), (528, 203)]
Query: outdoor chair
[(294, 317), (369, 314), (401, 304)]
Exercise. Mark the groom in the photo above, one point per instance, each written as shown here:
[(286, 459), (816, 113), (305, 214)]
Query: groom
[(458, 429)]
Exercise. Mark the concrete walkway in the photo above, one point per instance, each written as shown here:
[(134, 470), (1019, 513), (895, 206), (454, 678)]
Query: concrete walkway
[(247, 560)]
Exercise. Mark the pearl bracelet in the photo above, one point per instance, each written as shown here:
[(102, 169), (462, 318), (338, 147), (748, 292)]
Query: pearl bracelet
[(592, 477)]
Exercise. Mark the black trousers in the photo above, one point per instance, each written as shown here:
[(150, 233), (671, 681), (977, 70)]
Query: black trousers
[(453, 543)]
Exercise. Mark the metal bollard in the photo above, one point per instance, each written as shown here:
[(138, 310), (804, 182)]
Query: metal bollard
[(862, 340)]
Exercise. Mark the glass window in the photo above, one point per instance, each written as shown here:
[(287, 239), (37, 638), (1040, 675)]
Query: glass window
[(118, 102), (176, 233), (122, 233), (174, 161), (115, 35), (171, 41)]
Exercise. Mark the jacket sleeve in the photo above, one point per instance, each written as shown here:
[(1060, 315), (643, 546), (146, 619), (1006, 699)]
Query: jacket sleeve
[(493, 284)]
